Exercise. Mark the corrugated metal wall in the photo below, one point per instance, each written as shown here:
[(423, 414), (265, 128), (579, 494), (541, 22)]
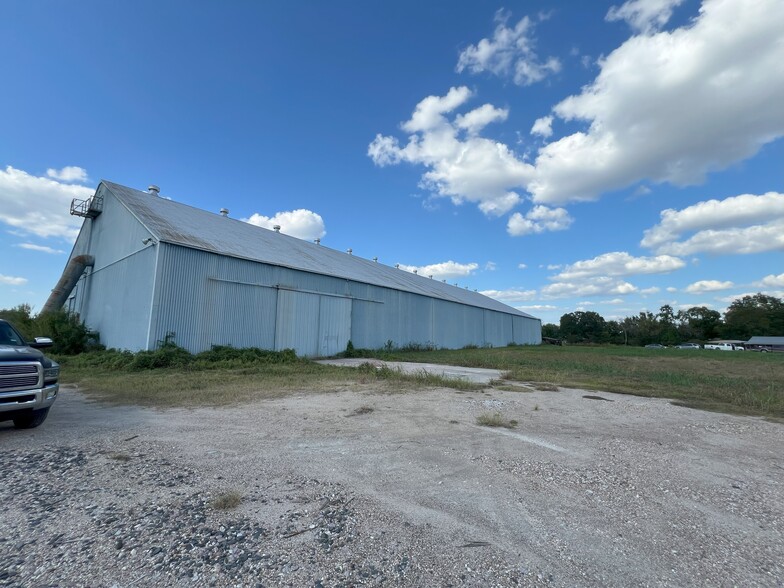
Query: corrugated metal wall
[(113, 297), (203, 297)]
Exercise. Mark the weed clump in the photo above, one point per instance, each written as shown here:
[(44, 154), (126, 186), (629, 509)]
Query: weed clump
[(226, 500), (495, 419)]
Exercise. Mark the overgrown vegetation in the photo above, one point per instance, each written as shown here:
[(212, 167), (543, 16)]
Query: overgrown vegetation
[(69, 334)]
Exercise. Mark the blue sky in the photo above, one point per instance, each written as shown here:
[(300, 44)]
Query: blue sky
[(559, 156)]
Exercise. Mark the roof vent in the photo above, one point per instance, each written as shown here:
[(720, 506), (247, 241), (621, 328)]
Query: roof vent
[(444, 281), (154, 190), (397, 266), (276, 228), (430, 276), (349, 251), (224, 212), (415, 271), (375, 260), (317, 241)]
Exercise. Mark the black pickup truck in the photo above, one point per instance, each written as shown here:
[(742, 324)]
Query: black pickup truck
[(28, 379)]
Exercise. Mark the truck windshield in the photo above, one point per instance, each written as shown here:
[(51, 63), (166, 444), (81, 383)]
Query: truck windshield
[(8, 336)]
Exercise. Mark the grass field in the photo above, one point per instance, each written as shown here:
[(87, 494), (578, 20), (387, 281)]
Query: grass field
[(736, 382)]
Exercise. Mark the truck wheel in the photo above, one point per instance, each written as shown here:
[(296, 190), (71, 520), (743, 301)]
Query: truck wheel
[(31, 419)]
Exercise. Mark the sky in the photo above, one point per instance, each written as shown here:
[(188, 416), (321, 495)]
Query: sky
[(558, 156)]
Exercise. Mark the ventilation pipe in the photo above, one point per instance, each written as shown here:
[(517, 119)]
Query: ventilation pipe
[(317, 241), (73, 271), (349, 251), (154, 190), (375, 260), (224, 212)]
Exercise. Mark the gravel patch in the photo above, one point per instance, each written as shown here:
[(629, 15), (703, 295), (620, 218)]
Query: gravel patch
[(412, 493)]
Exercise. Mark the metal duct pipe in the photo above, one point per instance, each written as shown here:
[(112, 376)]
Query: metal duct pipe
[(73, 271)]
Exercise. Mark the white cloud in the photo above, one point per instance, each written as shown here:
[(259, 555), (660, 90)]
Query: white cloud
[(491, 266), (70, 173), (771, 281), (300, 223), (554, 266), (732, 297), (461, 167), (510, 53), (673, 106), (511, 295), (41, 248), (446, 270), (708, 286), (12, 281), (521, 266), (619, 263), (537, 220), (596, 286), (477, 119), (39, 206), (644, 16), (671, 289), (651, 290), (740, 224), (543, 126)]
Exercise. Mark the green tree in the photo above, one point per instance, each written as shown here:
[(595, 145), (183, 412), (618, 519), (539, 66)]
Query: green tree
[(551, 330), (759, 314), (700, 323), (583, 327)]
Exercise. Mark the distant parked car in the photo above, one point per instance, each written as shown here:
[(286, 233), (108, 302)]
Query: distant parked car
[(655, 346), (724, 346), (688, 346)]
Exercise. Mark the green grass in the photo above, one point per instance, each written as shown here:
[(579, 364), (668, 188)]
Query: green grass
[(735, 382)]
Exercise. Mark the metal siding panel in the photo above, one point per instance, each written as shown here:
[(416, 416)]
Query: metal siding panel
[(240, 315), (118, 301), (334, 325), (297, 322)]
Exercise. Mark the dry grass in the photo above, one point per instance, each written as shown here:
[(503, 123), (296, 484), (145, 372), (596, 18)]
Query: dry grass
[(120, 457), (226, 500), (495, 419)]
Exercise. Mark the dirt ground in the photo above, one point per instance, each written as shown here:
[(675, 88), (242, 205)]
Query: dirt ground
[(583, 492)]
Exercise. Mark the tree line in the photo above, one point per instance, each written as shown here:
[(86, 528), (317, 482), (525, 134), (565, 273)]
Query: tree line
[(749, 316)]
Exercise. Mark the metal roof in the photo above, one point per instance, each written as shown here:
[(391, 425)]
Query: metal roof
[(180, 224), (766, 341)]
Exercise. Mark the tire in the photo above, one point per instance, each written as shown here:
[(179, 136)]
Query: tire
[(31, 419)]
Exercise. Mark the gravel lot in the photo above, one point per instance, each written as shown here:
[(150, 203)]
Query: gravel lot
[(584, 492)]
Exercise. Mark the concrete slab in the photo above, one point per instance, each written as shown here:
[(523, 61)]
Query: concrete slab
[(478, 375)]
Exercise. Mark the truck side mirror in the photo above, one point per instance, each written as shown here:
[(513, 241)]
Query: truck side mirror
[(41, 342)]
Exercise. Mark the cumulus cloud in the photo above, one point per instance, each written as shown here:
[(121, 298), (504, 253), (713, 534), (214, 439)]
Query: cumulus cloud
[(596, 286), (771, 281), (70, 173), (12, 281), (509, 53), (740, 224), (460, 165), (644, 16), (538, 220), (651, 290), (443, 271), (708, 286), (300, 223), (673, 106), (619, 263), (521, 266), (41, 248), (543, 126), (38, 205), (511, 295)]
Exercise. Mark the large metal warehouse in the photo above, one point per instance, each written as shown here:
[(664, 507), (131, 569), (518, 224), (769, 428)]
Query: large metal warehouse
[(144, 266)]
